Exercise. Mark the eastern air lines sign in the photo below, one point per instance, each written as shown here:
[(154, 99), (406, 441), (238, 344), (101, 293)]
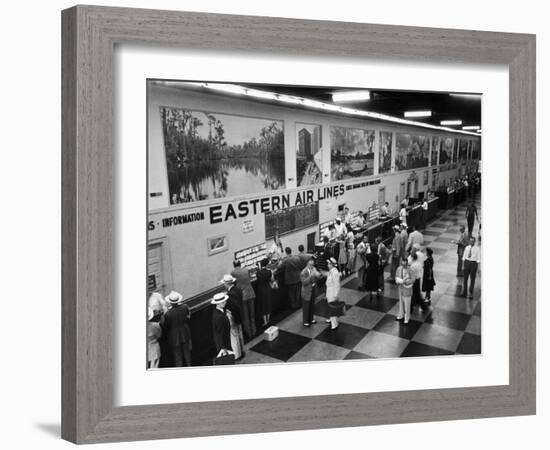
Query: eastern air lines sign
[(239, 210), (242, 209)]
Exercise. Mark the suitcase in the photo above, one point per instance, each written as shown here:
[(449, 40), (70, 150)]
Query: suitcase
[(271, 333)]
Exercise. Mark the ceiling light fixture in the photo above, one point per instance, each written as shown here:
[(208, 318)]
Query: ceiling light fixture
[(350, 96), (473, 96), (418, 113), (236, 89), (471, 127)]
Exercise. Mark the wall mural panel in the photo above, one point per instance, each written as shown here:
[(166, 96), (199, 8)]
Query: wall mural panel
[(351, 152), (446, 151), (412, 151), (463, 150), (384, 151), (434, 154), (309, 155), (211, 155)]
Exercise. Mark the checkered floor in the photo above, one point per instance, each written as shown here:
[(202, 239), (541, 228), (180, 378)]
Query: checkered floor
[(452, 325)]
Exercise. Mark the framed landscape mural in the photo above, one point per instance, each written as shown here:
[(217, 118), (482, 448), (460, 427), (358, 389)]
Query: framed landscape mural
[(351, 152), (211, 155), (385, 151), (446, 151), (309, 156), (463, 150), (412, 151), (434, 152)]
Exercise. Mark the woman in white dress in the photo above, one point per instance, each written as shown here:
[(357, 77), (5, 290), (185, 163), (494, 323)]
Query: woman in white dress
[(333, 289)]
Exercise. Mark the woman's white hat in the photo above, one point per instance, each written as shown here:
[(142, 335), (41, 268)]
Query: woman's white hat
[(227, 278), (174, 298), (333, 261), (219, 298)]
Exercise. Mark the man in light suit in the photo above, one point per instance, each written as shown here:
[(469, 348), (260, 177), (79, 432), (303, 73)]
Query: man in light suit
[(415, 237), (309, 277)]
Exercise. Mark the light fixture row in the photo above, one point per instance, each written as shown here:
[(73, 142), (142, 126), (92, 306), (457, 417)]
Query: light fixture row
[(256, 93)]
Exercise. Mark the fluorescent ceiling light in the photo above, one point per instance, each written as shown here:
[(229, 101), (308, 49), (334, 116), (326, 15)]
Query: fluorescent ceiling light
[(471, 127), (418, 114), (474, 96), (231, 88), (306, 102), (350, 96)]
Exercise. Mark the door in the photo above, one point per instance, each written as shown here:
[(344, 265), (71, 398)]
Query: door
[(381, 196), (311, 242), (155, 272)]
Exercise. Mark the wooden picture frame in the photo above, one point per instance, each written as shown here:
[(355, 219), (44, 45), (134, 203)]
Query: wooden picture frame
[(90, 34)]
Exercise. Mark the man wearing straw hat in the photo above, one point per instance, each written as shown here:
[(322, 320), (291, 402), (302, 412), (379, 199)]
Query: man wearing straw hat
[(234, 309), (221, 328), (177, 330)]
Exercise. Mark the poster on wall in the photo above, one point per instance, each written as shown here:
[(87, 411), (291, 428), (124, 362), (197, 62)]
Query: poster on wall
[(446, 151), (351, 153), (211, 155), (463, 150), (469, 156), (412, 151), (384, 151), (475, 150), (309, 157), (434, 151)]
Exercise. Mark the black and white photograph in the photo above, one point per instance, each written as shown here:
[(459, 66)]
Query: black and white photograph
[(309, 157), (288, 226), (352, 152)]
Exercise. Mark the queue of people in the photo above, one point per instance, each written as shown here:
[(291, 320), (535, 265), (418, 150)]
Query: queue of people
[(240, 310)]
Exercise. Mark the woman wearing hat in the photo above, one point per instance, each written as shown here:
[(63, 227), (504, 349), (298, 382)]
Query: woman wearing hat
[(154, 333), (333, 289), (177, 330), (221, 327)]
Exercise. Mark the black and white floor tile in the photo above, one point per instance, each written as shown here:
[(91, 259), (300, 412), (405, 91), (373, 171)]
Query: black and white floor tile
[(452, 324)]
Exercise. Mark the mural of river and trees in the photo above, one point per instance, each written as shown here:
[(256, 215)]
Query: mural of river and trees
[(309, 156), (211, 155), (351, 152), (412, 151)]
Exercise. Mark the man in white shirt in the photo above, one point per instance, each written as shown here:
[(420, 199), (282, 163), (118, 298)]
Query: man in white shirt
[(403, 215), (472, 259), (359, 220), (385, 210), (340, 228), (347, 218), (416, 237), (424, 216)]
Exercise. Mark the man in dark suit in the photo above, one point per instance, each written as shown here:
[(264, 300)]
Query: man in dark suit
[(177, 331), (291, 266), (248, 311), (221, 328), (304, 257)]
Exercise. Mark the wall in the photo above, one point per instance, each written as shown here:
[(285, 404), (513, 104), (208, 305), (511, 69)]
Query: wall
[(30, 181), (188, 263)]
